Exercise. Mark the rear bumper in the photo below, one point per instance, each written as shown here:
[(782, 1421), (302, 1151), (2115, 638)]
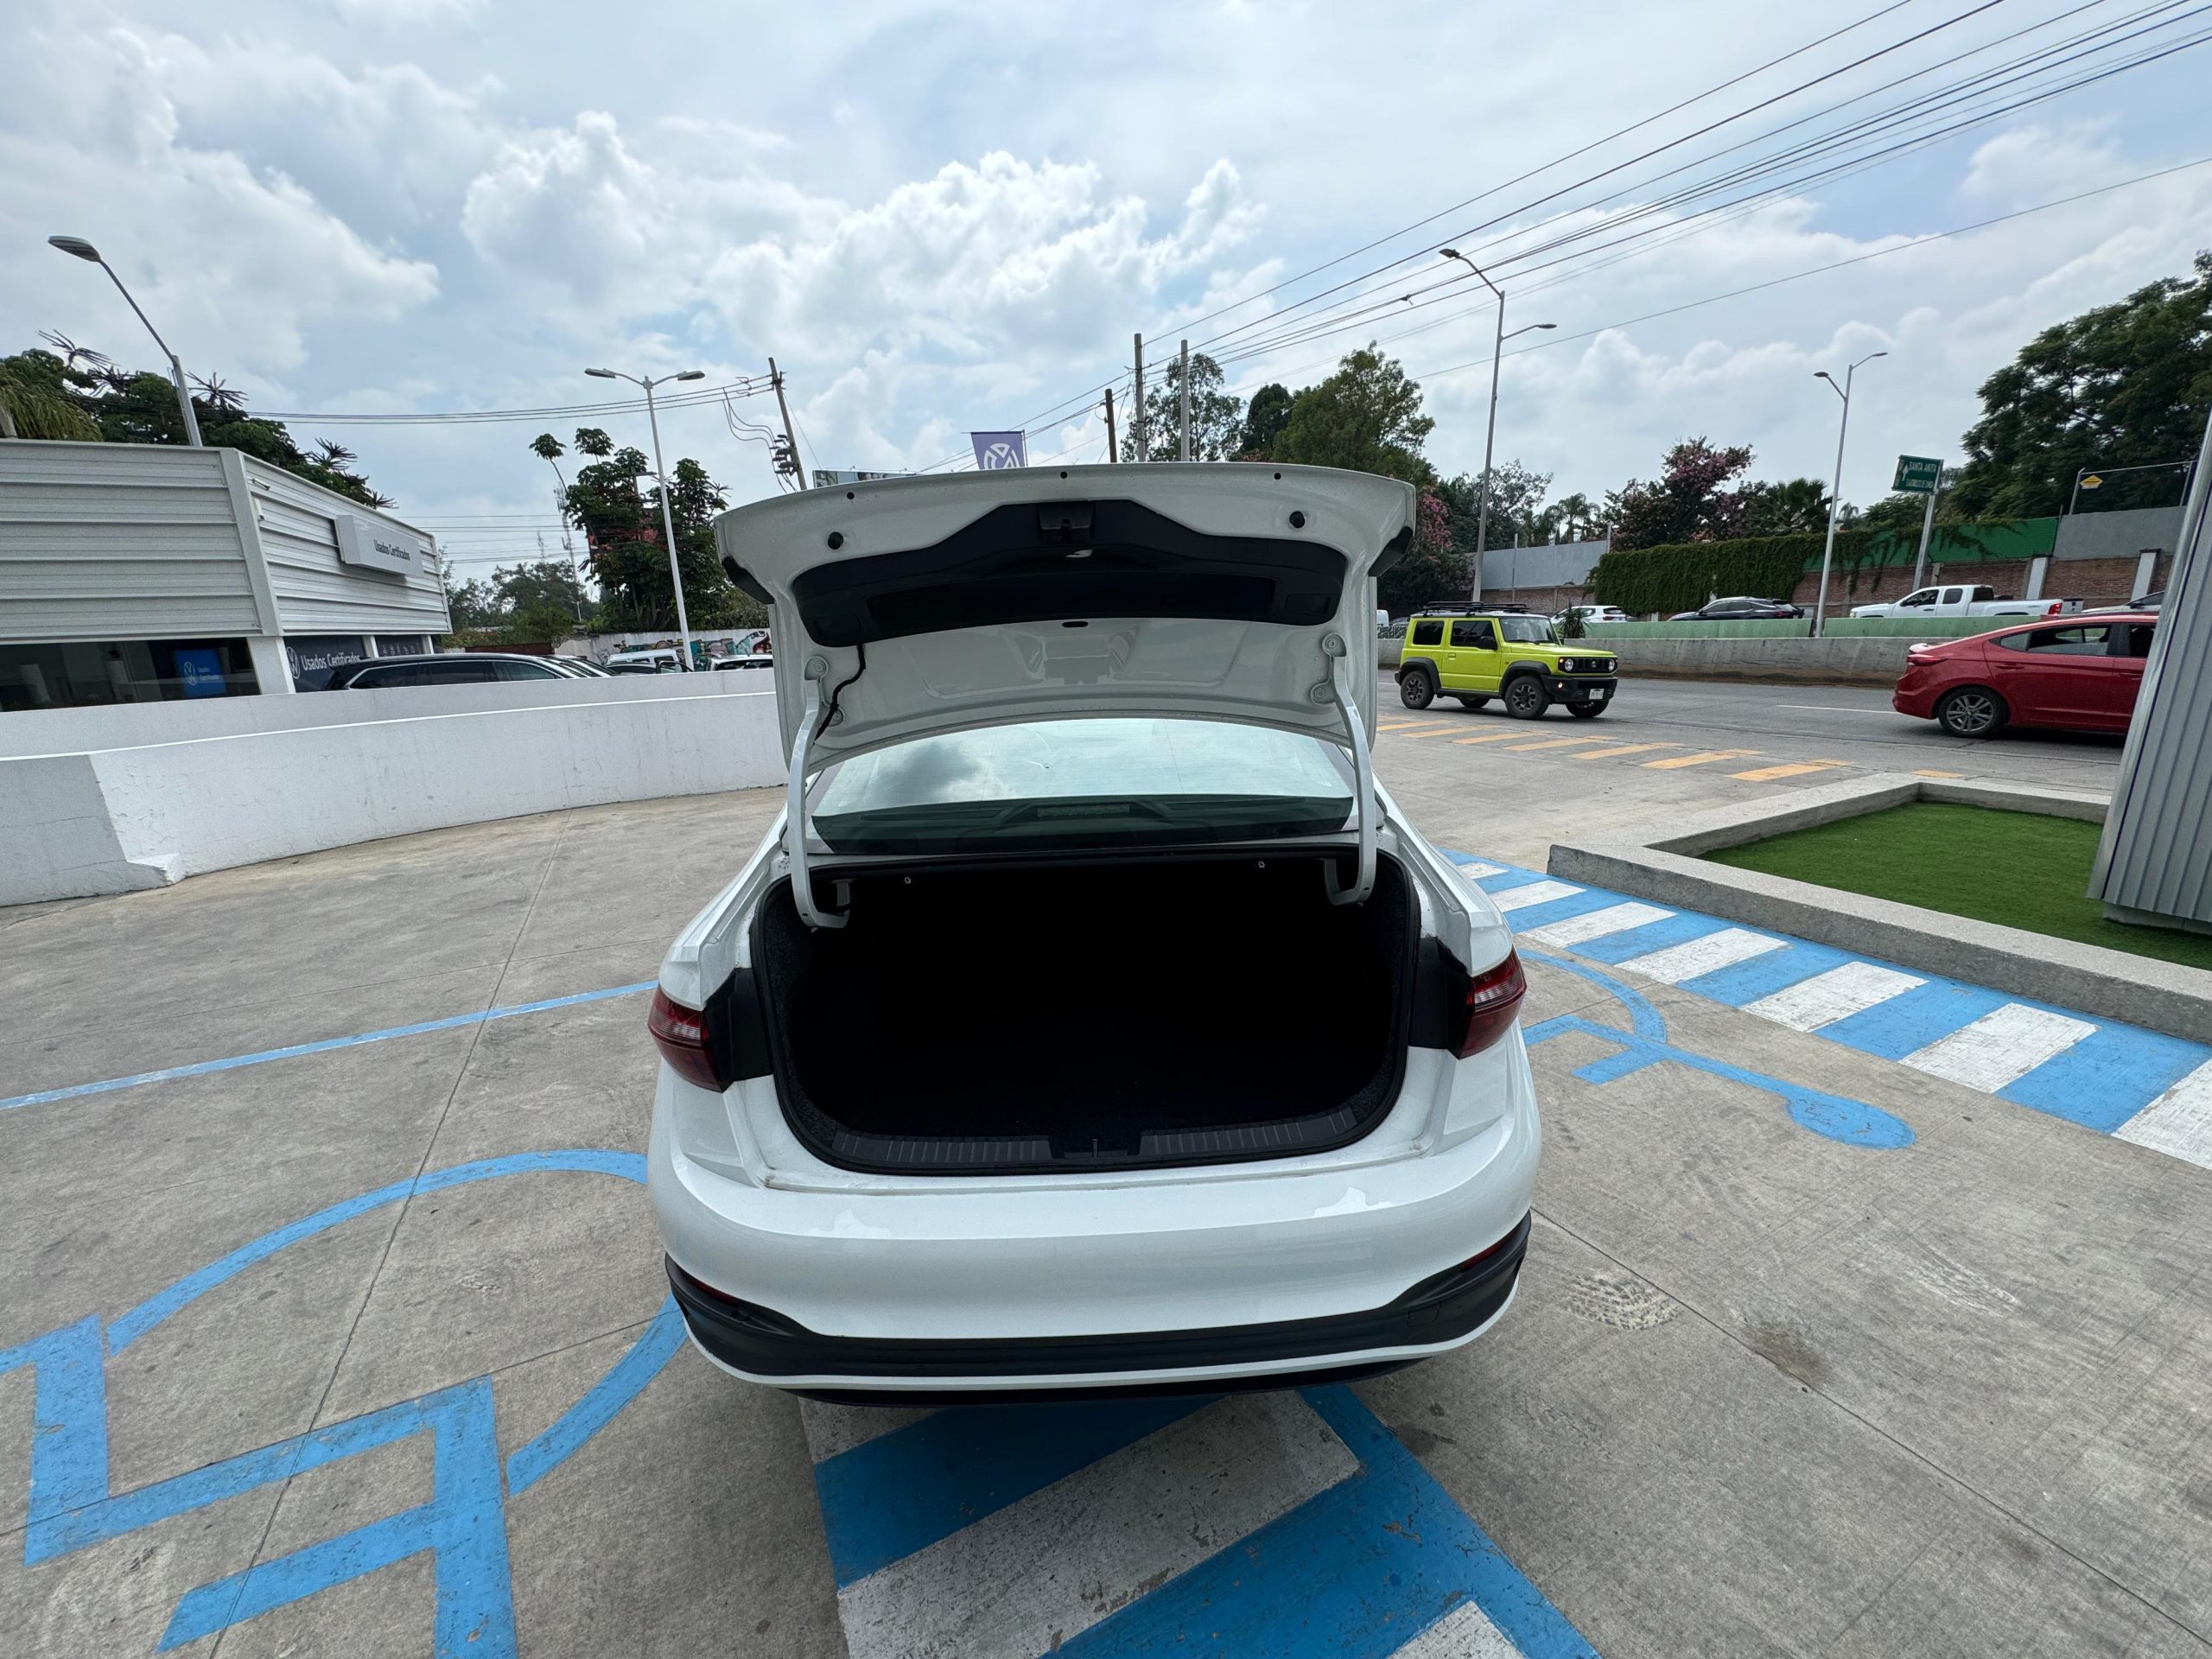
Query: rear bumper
[(1916, 693), (1439, 1313), (1313, 1246)]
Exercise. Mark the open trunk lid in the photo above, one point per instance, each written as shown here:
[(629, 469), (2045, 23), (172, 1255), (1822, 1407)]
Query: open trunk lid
[(1227, 592)]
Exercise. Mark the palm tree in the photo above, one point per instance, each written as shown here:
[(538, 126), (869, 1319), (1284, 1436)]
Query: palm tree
[(72, 352), (1575, 514), (222, 400), (328, 452)]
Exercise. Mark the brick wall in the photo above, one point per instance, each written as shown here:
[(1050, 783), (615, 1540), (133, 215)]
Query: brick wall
[(2093, 581)]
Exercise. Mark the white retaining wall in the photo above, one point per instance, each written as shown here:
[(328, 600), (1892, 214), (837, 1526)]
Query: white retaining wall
[(116, 819)]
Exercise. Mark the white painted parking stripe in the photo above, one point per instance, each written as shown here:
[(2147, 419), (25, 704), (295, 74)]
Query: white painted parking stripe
[(1537, 893), (1597, 924), (1837, 994), (1463, 1633), (2002, 1046), (1475, 870), (2179, 1121), (1024, 1580), (1714, 951), (831, 1429)]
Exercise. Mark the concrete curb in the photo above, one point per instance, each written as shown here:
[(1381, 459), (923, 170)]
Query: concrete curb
[(1665, 865)]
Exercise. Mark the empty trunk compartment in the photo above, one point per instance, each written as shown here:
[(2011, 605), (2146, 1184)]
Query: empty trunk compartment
[(1088, 1015)]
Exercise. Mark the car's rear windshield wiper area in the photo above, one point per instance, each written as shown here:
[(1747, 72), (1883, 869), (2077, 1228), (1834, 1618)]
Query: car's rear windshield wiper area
[(1079, 820)]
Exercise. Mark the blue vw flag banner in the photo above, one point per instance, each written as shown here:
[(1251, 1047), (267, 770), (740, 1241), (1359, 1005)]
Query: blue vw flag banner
[(997, 449)]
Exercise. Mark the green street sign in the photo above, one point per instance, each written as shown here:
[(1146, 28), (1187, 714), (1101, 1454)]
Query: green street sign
[(1918, 474)]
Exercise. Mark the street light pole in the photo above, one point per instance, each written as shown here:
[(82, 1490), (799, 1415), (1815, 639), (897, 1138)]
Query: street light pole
[(84, 249), (667, 520), (1836, 492), (1489, 436)]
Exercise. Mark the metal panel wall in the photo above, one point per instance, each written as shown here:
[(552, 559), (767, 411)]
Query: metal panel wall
[(2155, 860), (102, 541), (2117, 535), (1554, 564), (315, 593)]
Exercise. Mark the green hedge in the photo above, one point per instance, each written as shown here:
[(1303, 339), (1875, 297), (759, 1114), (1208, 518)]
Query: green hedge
[(1682, 575)]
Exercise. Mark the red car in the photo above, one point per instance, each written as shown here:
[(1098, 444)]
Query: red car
[(2079, 674)]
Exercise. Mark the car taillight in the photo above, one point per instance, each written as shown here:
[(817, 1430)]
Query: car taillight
[(2056, 606), (1493, 999), (680, 1034)]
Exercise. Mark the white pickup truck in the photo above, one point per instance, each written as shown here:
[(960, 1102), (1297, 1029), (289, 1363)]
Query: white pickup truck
[(1964, 600)]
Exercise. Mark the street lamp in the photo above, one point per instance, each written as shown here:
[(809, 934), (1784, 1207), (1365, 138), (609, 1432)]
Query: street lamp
[(1489, 438), (1835, 494), (667, 522), (84, 249)]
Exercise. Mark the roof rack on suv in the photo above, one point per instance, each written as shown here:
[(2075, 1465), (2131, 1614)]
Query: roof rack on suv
[(1469, 607)]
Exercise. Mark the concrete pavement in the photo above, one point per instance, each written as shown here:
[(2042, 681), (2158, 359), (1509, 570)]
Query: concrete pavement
[(1764, 1390)]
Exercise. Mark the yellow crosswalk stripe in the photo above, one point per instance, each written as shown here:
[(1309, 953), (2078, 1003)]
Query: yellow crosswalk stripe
[(1698, 759), (1558, 743), (1401, 725), (1939, 774), (1434, 731), (1488, 737), (1628, 748), (1768, 774)]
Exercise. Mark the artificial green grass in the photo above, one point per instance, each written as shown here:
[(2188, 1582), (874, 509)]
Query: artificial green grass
[(2022, 870)]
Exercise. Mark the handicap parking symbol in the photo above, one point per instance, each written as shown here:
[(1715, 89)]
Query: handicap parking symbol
[(463, 1525)]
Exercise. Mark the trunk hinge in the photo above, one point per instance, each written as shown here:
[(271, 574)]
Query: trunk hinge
[(810, 721), (1335, 689)]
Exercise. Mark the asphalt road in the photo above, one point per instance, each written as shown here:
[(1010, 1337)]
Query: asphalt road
[(1478, 778)]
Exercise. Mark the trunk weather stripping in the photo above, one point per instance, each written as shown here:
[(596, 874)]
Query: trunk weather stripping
[(812, 719), (1336, 689)]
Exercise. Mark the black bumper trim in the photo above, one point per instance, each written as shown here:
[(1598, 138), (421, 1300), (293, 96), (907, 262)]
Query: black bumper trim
[(1579, 688), (763, 1343)]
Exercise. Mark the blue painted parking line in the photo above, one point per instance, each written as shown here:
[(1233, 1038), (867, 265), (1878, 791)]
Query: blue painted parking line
[(1285, 1524), (201, 1068), (2104, 1074)]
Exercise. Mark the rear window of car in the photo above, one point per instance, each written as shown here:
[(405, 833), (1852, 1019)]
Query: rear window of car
[(1475, 635), (2080, 641), (1428, 633), (1086, 783)]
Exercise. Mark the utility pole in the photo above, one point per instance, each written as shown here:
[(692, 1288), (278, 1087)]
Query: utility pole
[(1835, 494), (1143, 453), (660, 473), (1183, 376), (1112, 455), (1927, 528), (81, 249), (1490, 437), (797, 466)]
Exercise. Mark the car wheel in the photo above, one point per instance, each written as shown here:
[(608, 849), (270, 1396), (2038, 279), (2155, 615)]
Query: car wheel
[(1473, 702), (1416, 689), (1586, 711), (1973, 711), (1525, 698)]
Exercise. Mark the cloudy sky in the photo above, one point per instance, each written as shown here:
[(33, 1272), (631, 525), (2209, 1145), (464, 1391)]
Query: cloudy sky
[(955, 216)]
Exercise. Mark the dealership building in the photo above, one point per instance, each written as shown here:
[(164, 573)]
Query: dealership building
[(137, 573)]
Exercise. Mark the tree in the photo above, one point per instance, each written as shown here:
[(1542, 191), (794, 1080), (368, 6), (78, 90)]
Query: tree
[(1516, 505), (2125, 385), (1217, 417), (1264, 419), (473, 604), (621, 521), (1786, 507), (1434, 567), (1688, 502), (119, 406), (1578, 515), (1365, 417), (34, 401)]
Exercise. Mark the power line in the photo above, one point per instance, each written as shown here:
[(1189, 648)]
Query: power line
[(1561, 161), (1313, 326), (745, 386)]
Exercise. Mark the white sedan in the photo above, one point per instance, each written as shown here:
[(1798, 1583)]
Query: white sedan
[(1091, 1019)]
